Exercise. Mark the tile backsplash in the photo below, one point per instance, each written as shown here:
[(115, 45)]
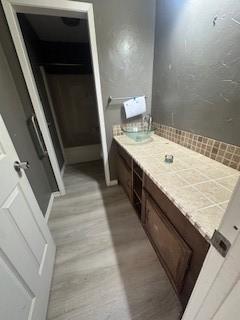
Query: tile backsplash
[(225, 153)]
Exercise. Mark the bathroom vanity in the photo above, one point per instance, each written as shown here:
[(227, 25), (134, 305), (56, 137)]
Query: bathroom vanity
[(173, 211)]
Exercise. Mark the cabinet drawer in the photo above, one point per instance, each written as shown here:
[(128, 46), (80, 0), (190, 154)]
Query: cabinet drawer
[(172, 250), (125, 177)]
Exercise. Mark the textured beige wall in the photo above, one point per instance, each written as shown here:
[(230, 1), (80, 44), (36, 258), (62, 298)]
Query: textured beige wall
[(125, 40)]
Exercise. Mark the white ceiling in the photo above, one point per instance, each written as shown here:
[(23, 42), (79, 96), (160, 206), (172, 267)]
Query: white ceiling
[(51, 28)]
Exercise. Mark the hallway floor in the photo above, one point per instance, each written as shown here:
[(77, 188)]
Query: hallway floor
[(106, 268)]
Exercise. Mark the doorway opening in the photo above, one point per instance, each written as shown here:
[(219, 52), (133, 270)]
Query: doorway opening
[(60, 56), (61, 146)]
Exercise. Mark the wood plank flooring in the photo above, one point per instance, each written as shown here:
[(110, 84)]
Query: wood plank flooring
[(106, 268)]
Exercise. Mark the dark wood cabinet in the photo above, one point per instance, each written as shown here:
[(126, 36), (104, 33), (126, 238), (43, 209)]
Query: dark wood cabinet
[(125, 176), (137, 185), (125, 156), (180, 247), (171, 249), (192, 237)]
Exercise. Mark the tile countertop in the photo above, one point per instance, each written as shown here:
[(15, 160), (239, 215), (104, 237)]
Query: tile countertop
[(199, 186)]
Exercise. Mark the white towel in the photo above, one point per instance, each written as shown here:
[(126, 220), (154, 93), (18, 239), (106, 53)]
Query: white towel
[(135, 106)]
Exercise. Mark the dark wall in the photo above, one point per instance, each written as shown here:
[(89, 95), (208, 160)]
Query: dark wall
[(14, 105), (66, 57), (196, 83), (75, 106)]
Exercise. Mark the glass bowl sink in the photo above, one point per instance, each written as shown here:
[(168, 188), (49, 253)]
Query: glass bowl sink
[(138, 132)]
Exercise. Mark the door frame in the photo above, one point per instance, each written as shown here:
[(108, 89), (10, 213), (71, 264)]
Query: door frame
[(56, 8)]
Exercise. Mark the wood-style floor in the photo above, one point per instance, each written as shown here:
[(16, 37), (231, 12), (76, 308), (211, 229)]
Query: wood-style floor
[(106, 268)]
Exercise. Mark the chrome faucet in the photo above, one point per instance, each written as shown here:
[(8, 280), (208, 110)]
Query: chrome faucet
[(148, 118)]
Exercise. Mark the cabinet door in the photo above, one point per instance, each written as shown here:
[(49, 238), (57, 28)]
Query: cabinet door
[(170, 247), (125, 176)]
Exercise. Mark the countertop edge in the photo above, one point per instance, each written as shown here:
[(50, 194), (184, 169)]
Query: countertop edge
[(196, 226)]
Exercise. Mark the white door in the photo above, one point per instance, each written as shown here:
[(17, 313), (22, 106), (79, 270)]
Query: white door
[(223, 299), (216, 295), (27, 250), (230, 309)]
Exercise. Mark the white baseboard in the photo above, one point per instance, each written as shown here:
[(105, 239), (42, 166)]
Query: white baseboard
[(50, 204), (57, 194), (83, 154), (113, 183)]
